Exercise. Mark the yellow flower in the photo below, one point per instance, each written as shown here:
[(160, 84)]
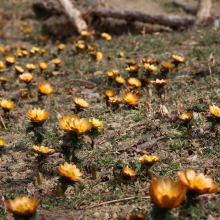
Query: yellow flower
[(96, 124), (134, 82), (19, 70), (22, 206), (43, 65), (186, 117), (74, 124), (80, 44), (81, 103), (61, 47), (120, 80), (26, 77), (150, 68), (3, 80), (2, 65), (158, 82), (166, 193), (114, 100), (43, 150), (37, 115), (7, 104), (97, 54), (43, 51), (145, 159), (57, 61), (121, 54), (110, 74), (85, 33), (106, 36), (148, 61), (2, 142), (30, 66), (128, 172), (10, 59), (45, 88), (133, 68), (70, 171), (109, 93), (214, 110), (131, 62), (199, 183), (178, 59), (131, 98)]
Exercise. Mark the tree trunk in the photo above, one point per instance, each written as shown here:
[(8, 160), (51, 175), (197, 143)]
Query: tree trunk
[(74, 15), (203, 13)]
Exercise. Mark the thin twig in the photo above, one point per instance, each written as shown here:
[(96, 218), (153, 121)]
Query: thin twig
[(116, 200), (84, 81), (210, 72), (2, 120)]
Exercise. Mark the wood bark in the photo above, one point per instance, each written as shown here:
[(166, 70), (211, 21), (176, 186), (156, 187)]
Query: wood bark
[(170, 20), (204, 11), (74, 15)]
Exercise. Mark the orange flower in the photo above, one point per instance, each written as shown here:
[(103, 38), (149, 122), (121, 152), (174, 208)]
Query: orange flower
[(121, 54), (158, 82), (43, 150), (30, 66), (81, 103), (137, 216), (214, 110), (70, 171), (7, 104), (10, 59), (131, 98), (134, 82), (2, 142), (43, 65), (37, 115), (167, 66), (166, 193), (178, 59), (199, 183), (150, 68), (128, 172), (186, 117), (145, 159), (45, 88), (97, 55), (26, 77), (109, 93), (106, 36), (148, 61), (57, 61), (22, 206), (74, 124), (19, 70)]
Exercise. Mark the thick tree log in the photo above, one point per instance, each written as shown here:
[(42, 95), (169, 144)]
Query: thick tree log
[(170, 20), (74, 15), (191, 9)]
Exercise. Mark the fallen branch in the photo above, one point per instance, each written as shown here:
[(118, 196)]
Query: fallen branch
[(170, 20), (116, 200)]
